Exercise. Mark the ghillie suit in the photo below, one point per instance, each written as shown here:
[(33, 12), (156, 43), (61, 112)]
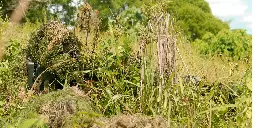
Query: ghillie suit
[(56, 50)]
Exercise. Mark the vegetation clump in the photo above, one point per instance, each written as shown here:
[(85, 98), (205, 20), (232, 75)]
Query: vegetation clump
[(58, 108), (51, 40), (131, 121)]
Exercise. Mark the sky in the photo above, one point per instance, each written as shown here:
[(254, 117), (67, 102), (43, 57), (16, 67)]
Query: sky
[(238, 11)]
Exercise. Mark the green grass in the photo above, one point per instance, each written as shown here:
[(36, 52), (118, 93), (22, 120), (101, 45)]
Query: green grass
[(222, 99)]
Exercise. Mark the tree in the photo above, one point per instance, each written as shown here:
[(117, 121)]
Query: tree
[(40, 10), (111, 8), (236, 44), (7, 6), (195, 18)]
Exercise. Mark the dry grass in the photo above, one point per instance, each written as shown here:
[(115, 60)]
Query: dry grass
[(57, 107), (21, 33), (131, 121), (211, 69), (16, 16)]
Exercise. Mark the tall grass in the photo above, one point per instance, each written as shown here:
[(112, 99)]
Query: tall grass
[(132, 79)]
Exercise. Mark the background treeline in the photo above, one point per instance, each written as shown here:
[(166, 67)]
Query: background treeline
[(111, 53), (193, 18)]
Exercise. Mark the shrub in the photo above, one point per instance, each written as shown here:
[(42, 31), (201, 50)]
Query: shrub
[(235, 44)]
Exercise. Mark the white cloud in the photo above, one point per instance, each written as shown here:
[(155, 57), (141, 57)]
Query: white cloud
[(249, 25), (247, 18), (228, 8), (238, 11)]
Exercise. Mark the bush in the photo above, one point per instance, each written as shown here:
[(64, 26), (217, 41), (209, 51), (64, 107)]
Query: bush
[(194, 18), (57, 109), (11, 72), (236, 44)]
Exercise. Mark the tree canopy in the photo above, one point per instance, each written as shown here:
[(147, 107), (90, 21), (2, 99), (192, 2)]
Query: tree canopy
[(40, 10), (194, 17), (232, 43)]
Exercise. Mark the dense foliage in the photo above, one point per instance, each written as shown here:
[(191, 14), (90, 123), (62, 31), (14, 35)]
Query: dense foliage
[(117, 69), (195, 18), (41, 10), (236, 44)]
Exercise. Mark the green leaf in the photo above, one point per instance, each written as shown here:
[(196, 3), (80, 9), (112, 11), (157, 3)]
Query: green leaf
[(166, 97), (181, 86), (1, 103), (87, 71), (126, 81), (109, 93), (116, 97), (158, 98), (219, 108), (28, 123)]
